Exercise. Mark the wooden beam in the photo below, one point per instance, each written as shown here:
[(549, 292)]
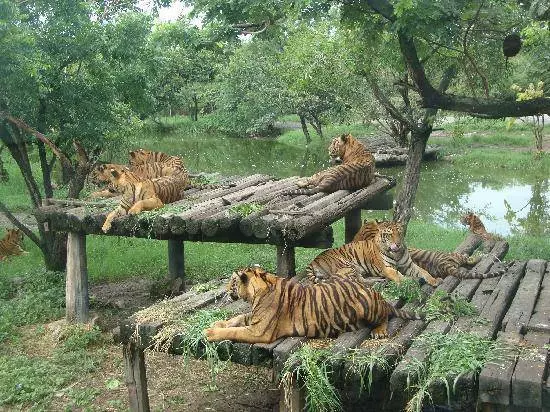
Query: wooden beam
[(76, 286), (176, 262), (352, 223), (286, 263), (136, 377)]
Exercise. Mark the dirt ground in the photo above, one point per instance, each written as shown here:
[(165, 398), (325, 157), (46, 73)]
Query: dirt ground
[(174, 384)]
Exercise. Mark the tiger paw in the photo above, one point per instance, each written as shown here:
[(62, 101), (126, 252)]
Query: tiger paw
[(379, 335), (134, 210), (106, 226), (212, 335), (219, 324), (302, 183)]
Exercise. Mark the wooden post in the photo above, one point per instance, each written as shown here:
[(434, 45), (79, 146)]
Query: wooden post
[(176, 262), (76, 285), (352, 223), (286, 264), (136, 377), (294, 400)]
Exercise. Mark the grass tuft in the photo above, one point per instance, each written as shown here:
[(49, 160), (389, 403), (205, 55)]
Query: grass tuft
[(442, 306), (246, 209), (408, 290)]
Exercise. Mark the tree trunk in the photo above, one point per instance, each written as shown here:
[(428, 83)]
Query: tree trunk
[(55, 257), (316, 123), (305, 130), (409, 186), (195, 108), (4, 176)]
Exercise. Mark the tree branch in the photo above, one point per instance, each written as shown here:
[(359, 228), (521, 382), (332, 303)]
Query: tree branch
[(4, 209), (467, 53)]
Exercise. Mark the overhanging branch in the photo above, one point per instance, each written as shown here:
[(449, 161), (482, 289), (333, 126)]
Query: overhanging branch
[(4, 209)]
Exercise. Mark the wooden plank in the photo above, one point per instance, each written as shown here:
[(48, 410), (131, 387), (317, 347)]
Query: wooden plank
[(176, 262), (352, 224), (286, 262), (281, 353), (76, 286), (495, 379), (469, 244), (522, 306), (540, 320), (498, 302), (262, 353), (527, 381), (135, 377)]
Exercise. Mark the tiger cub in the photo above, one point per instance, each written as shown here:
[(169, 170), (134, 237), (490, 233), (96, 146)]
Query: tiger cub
[(377, 250), (141, 195), (354, 168), (10, 245), (283, 307), (142, 156)]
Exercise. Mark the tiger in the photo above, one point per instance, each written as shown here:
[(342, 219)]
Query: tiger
[(380, 253), (439, 264), (10, 245), (141, 195), (354, 168), (282, 307), (142, 156), (477, 227)]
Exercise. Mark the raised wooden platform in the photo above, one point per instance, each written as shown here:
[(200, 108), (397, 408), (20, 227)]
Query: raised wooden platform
[(215, 215), (514, 307)]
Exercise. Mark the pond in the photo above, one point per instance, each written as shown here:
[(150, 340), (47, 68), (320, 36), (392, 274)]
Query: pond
[(508, 202)]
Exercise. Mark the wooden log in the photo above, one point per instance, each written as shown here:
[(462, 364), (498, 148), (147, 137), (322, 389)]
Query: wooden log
[(239, 185), (540, 320), (294, 400), (286, 261), (282, 352), (262, 353), (299, 227), (76, 287), (352, 224), (135, 377), (495, 378), (529, 374), (522, 306), (176, 262), (469, 244)]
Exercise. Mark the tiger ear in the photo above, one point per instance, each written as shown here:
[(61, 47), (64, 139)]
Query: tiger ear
[(243, 276), (344, 138), (115, 173)]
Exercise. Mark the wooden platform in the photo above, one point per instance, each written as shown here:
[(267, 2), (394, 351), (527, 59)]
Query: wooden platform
[(215, 215), (514, 307)]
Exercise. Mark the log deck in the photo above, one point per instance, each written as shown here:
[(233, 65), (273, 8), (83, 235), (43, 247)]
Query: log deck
[(214, 215), (515, 308)]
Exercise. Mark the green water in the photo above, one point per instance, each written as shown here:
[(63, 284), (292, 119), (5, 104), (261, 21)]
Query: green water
[(509, 201)]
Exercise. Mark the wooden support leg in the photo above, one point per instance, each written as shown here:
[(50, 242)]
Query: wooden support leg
[(286, 264), (352, 223), (176, 264), (76, 285), (292, 401), (136, 377)]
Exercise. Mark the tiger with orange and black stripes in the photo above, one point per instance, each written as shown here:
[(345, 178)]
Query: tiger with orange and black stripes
[(354, 168), (10, 244), (282, 307)]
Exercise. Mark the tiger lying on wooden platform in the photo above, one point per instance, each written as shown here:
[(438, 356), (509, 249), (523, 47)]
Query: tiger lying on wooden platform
[(437, 263), (10, 245), (355, 171), (378, 252), (283, 307), (140, 195)]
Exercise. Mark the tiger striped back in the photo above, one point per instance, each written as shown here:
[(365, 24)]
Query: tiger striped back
[(10, 245), (282, 307), (355, 171), (142, 156)]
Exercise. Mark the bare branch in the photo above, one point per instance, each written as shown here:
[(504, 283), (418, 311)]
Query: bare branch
[(467, 53), (4, 209)]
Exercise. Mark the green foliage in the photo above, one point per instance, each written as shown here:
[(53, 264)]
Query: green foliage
[(442, 306), (245, 209), (409, 290), (363, 362), (450, 356)]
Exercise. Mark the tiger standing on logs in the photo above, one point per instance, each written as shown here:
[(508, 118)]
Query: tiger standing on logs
[(10, 245), (355, 171), (437, 263), (148, 194), (379, 252), (283, 307)]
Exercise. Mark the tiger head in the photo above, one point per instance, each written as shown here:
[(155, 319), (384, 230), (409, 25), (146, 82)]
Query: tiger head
[(250, 282), (391, 236), (140, 156), (368, 231), (469, 219), (101, 173), (344, 147), (14, 235), (118, 174)]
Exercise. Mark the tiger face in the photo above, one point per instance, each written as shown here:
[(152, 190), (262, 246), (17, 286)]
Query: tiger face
[(391, 236), (140, 156), (102, 173), (469, 219), (248, 282), (337, 148), (14, 235)]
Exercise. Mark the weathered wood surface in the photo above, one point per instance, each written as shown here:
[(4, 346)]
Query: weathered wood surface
[(217, 214), (136, 377), (76, 285)]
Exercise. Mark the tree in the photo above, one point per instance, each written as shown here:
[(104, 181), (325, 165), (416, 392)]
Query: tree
[(466, 37), (60, 70)]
